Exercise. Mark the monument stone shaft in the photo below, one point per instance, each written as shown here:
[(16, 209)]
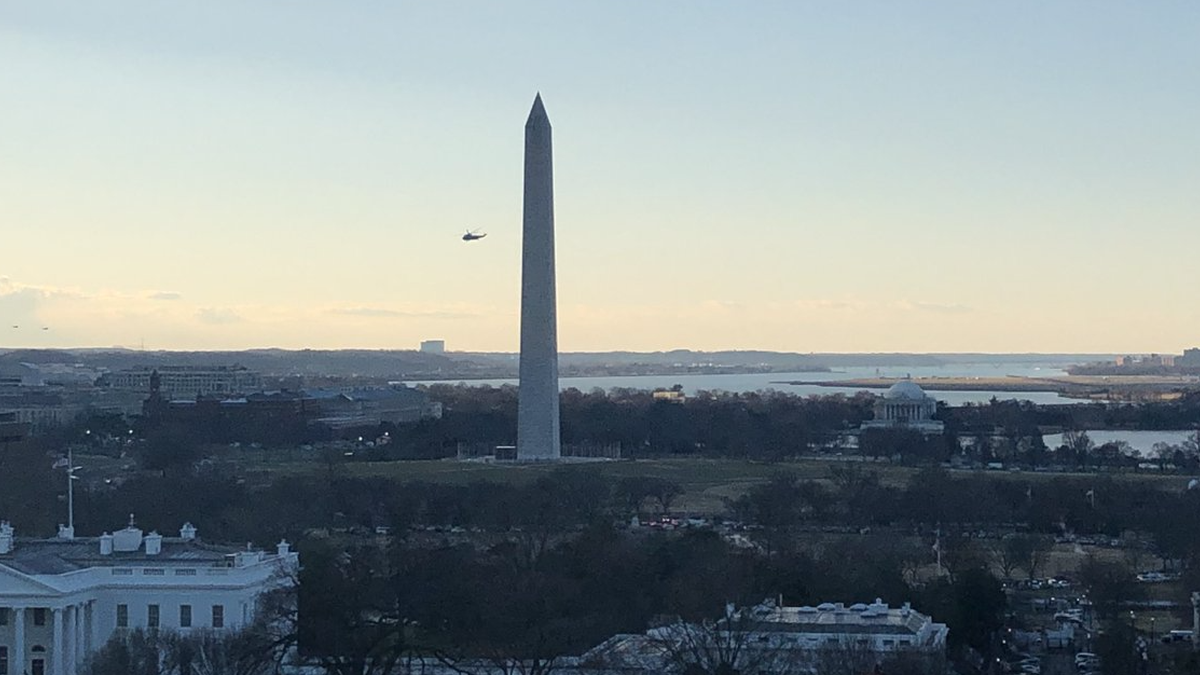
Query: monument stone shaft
[(537, 404)]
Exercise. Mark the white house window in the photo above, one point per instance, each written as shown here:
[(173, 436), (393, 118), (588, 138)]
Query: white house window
[(152, 616), (39, 616), (218, 616), (3, 660), (185, 616), (122, 616), (3, 622)]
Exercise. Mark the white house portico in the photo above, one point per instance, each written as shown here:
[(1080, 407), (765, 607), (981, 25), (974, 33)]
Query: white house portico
[(63, 598)]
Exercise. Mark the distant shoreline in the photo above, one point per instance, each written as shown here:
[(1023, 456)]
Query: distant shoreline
[(1072, 386)]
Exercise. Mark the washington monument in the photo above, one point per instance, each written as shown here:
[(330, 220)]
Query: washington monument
[(537, 402)]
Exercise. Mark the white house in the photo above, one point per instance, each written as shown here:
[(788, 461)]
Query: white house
[(63, 598)]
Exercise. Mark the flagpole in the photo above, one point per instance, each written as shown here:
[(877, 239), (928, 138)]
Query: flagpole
[(937, 546), (71, 488)]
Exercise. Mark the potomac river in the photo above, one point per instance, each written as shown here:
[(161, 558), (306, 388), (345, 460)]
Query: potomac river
[(759, 381)]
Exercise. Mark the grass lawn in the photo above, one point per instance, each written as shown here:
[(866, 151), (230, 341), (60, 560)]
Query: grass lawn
[(706, 483)]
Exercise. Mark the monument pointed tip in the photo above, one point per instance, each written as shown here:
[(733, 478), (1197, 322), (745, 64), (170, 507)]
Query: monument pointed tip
[(538, 112)]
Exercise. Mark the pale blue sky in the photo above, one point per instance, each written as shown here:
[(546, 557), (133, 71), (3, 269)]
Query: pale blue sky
[(803, 176)]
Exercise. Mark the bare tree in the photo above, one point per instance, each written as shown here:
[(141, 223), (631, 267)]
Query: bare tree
[(1005, 555), (846, 657), (350, 620), (1025, 551), (1032, 551), (738, 644), (1165, 454), (198, 653), (1079, 442), (959, 554)]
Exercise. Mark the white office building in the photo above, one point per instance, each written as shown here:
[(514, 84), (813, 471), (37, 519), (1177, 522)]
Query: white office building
[(773, 636), (185, 382), (61, 599)]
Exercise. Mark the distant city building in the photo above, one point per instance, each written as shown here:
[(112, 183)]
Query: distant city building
[(795, 638), (1190, 358), (670, 396), (433, 346), (11, 429), (371, 406), (905, 405), (20, 375), (42, 406), (185, 382), (276, 417), (1147, 361), (61, 599), (289, 416)]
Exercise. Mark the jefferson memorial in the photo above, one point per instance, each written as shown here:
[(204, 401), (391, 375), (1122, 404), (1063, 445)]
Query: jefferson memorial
[(905, 405)]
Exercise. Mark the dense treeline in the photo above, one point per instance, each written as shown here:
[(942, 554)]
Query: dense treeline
[(856, 497), (756, 425), (541, 568), (766, 426), (463, 602), (227, 506), (1019, 416), (773, 425)]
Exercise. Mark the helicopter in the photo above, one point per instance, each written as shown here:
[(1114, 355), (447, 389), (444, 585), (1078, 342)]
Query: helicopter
[(472, 235)]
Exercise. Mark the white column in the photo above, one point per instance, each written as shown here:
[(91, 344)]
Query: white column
[(63, 644), (89, 627), (97, 638), (58, 652), (18, 658), (68, 649), (1196, 619), (76, 638), (83, 632)]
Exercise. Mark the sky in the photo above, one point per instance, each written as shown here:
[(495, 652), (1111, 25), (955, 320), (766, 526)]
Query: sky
[(834, 176)]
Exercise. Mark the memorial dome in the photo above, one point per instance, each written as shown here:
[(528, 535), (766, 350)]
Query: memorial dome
[(905, 390)]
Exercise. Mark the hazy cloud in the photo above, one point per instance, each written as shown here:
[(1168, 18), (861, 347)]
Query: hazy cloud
[(164, 295), (380, 312), (828, 303), (936, 307), (726, 305), (218, 315)]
